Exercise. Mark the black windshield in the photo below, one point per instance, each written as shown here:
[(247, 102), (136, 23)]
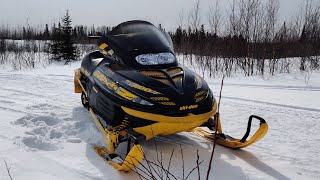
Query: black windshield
[(134, 38)]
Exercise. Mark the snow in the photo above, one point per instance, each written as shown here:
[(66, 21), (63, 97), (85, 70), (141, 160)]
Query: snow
[(45, 133)]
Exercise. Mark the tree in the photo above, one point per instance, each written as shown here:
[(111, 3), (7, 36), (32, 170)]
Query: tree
[(68, 50), (215, 17), (202, 33), (55, 45), (194, 16), (24, 33), (178, 36), (62, 44), (46, 33)]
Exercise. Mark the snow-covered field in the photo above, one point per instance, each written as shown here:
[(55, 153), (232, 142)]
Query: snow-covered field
[(45, 133)]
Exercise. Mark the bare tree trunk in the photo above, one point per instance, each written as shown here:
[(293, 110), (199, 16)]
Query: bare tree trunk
[(195, 17), (215, 18)]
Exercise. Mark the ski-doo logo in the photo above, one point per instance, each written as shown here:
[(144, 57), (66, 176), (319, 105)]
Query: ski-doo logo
[(142, 88), (182, 108), (110, 84)]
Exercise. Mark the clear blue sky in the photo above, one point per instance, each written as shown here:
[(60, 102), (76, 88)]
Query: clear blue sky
[(111, 12)]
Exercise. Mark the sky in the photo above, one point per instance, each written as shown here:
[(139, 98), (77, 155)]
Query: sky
[(112, 12)]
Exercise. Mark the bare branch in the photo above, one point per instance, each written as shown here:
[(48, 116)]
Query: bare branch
[(8, 168), (215, 17), (195, 17)]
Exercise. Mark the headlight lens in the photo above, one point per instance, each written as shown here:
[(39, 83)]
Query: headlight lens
[(199, 81), (155, 59)]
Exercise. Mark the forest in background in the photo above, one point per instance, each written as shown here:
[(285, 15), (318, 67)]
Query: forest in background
[(249, 37)]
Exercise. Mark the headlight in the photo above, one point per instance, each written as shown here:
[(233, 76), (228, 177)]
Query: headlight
[(199, 81), (155, 59)]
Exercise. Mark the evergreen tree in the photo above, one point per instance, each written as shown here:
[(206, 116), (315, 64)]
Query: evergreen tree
[(62, 46), (74, 33), (24, 33), (55, 45), (68, 50), (178, 35), (46, 33), (202, 33)]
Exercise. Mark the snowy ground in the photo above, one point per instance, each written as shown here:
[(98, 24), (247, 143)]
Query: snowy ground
[(45, 133)]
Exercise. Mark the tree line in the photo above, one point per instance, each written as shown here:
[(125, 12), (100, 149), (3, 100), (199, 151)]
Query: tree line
[(248, 36)]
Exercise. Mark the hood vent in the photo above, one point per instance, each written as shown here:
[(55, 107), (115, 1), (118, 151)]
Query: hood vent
[(167, 76)]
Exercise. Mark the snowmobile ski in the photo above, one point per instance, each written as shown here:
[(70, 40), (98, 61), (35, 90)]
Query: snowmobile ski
[(131, 161), (230, 142), (111, 137)]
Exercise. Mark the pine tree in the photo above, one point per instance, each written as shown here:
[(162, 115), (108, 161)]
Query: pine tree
[(68, 50), (178, 36), (46, 33), (202, 33), (62, 46), (55, 44), (24, 33)]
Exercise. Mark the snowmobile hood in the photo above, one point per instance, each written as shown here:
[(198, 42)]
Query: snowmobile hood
[(133, 38), (172, 90)]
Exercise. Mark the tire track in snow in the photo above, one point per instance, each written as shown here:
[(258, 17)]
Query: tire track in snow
[(15, 99), (6, 102), (272, 104), (22, 92), (305, 88), (20, 111), (14, 110)]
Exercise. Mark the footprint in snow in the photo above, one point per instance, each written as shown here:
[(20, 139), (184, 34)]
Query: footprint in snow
[(37, 121), (38, 143), (43, 132)]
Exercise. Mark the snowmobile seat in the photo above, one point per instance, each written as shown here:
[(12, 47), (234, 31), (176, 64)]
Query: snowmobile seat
[(91, 60)]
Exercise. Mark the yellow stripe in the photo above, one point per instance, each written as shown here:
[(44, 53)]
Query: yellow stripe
[(126, 94), (103, 46)]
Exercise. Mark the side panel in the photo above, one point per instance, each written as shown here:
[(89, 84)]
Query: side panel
[(108, 110), (102, 105)]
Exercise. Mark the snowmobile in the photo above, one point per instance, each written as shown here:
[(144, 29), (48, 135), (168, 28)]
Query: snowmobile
[(135, 90)]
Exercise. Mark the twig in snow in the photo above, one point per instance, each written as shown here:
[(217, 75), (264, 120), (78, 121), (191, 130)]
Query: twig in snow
[(215, 133), (8, 169)]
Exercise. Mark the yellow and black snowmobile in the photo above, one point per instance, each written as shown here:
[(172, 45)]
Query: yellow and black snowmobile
[(135, 90)]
